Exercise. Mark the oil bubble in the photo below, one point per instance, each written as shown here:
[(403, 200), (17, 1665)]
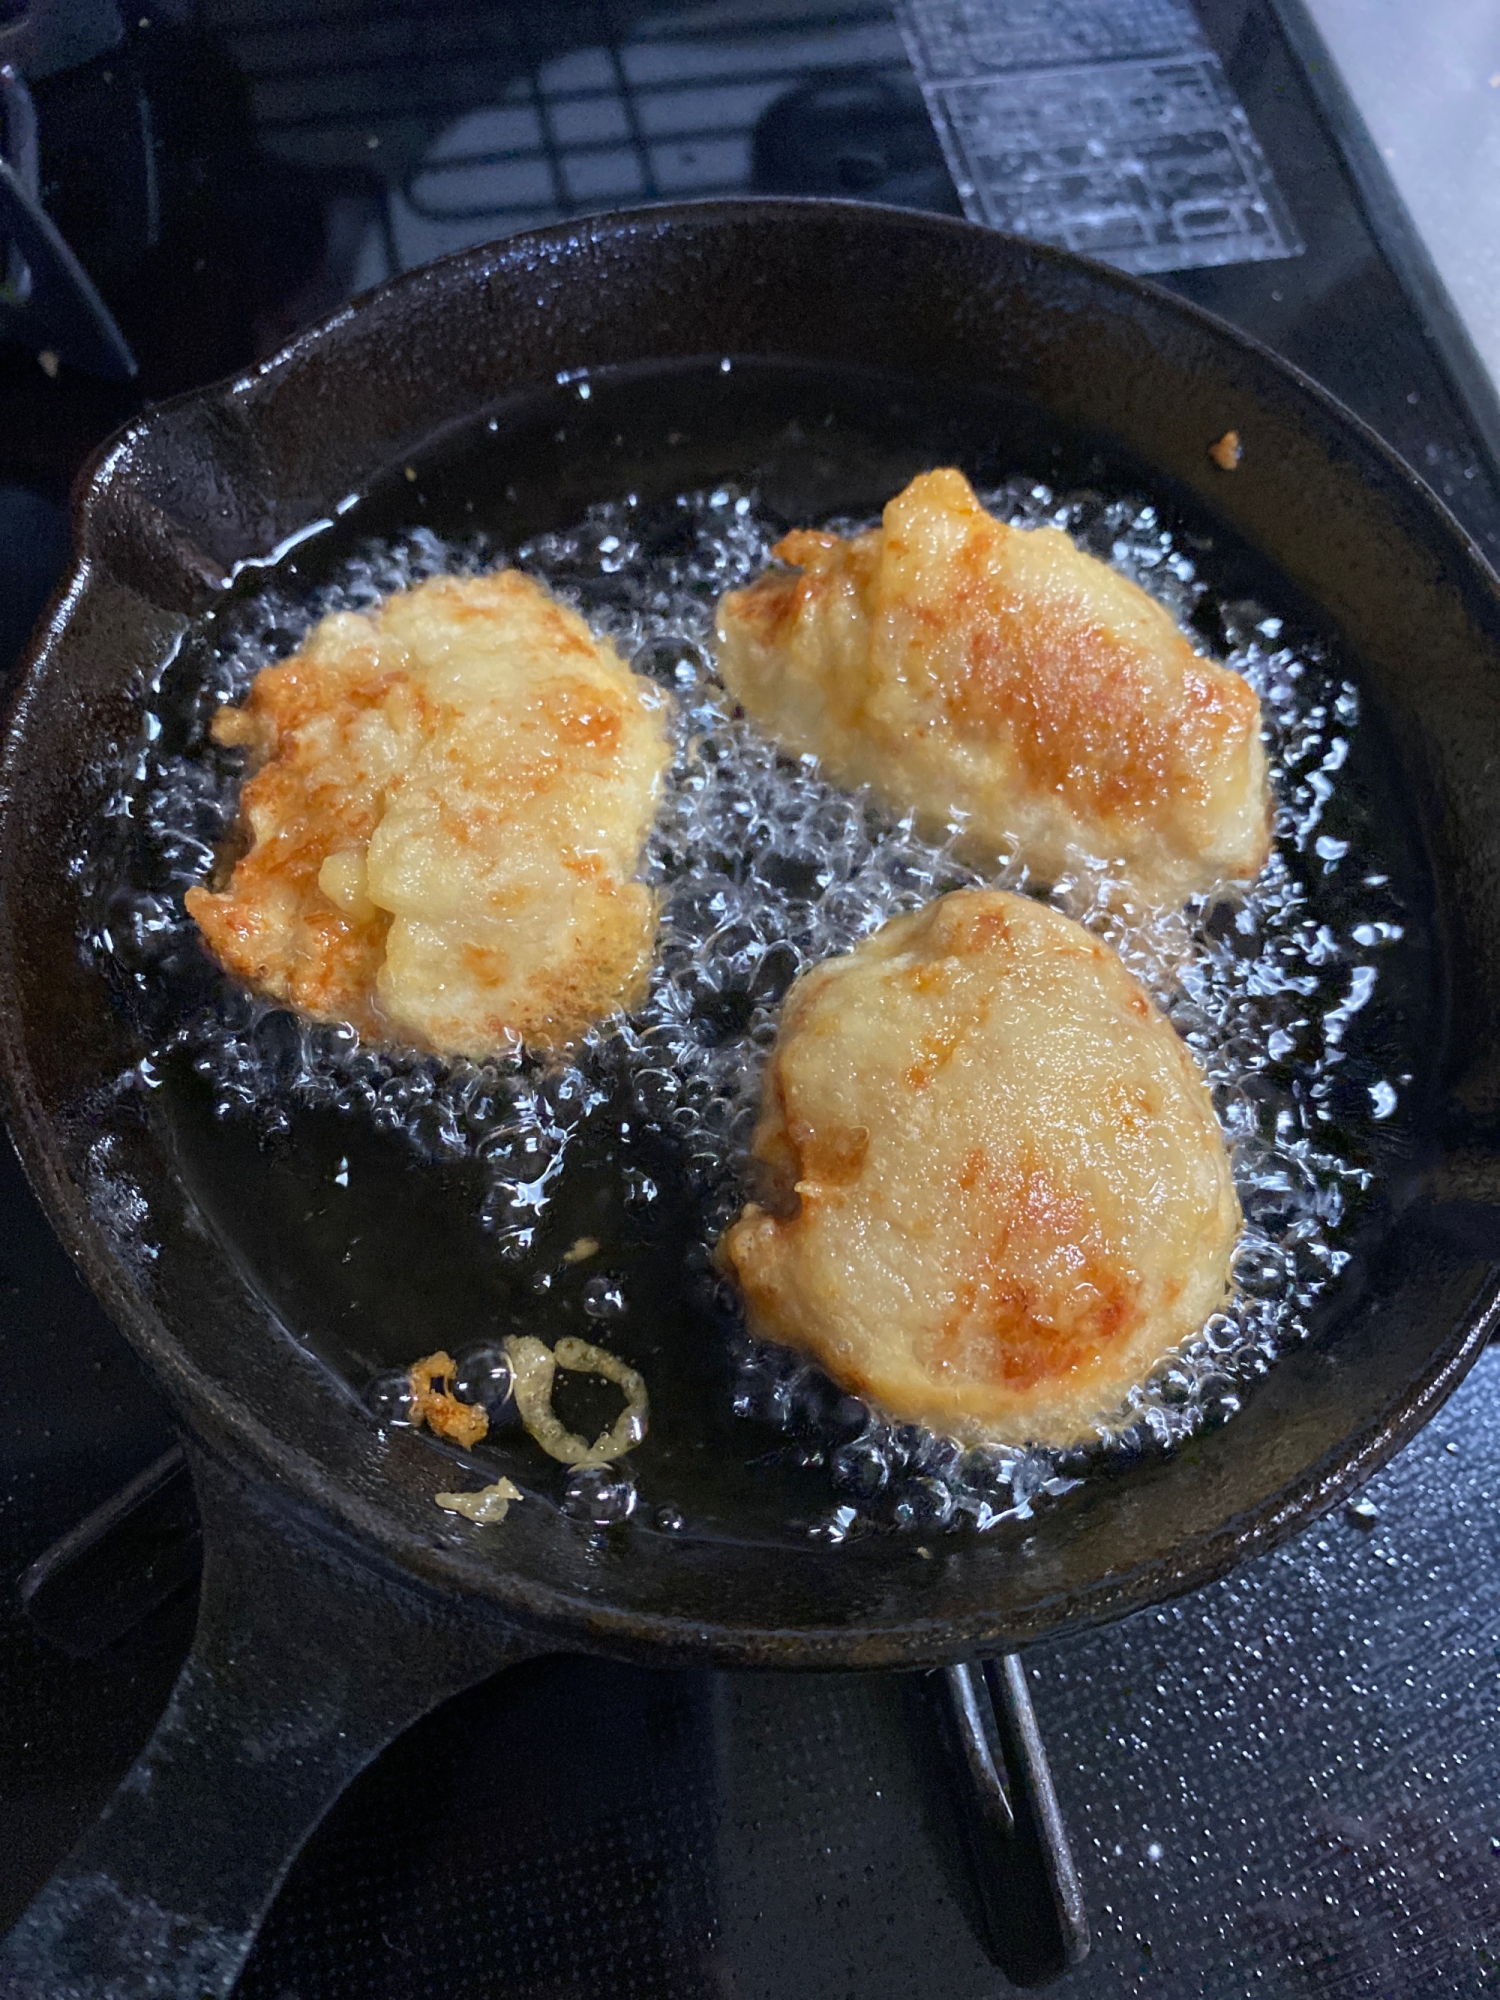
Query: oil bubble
[(763, 868), (483, 1375), (604, 1298), (388, 1397), (601, 1495)]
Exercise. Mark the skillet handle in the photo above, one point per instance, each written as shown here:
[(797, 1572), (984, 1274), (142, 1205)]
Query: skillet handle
[(306, 1662), (1028, 1888)]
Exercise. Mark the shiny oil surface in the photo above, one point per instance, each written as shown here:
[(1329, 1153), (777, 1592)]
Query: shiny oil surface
[(387, 1204)]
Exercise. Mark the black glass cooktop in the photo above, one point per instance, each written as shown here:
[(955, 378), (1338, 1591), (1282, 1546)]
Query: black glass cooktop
[(1285, 1785)]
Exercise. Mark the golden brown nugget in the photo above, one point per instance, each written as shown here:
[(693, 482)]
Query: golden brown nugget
[(959, 666), (997, 1196), (448, 801)]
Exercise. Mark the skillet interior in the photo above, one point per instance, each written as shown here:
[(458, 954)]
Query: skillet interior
[(1014, 359)]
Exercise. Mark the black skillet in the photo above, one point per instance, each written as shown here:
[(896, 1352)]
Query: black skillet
[(338, 1602)]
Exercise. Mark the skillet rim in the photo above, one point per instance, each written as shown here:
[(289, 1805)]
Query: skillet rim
[(242, 1433)]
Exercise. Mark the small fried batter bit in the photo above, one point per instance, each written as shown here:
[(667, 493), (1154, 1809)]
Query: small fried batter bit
[(996, 1194), (447, 804), (534, 1368), (1227, 451), (486, 1508), (961, 667), (433, 1402)]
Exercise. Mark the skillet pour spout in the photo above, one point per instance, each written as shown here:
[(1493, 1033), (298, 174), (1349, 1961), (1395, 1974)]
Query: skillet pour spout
[(929, 341)]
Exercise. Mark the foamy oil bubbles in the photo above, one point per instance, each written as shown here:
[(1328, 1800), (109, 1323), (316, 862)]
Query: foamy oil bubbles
[(764, 868)]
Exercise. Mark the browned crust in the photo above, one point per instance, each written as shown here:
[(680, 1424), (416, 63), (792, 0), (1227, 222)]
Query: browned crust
[(1079, 682), (434, 1404), (1050, 1301), (312, 792)]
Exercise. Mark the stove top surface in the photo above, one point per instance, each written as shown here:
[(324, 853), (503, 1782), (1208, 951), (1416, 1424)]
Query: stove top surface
[(1284, 1785)]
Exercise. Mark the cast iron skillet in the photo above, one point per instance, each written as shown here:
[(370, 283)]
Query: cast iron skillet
[(338, 1602)]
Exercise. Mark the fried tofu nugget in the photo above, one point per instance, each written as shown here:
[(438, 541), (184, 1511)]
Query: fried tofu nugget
[(996, 1196), (447, 803), (957, 665)]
